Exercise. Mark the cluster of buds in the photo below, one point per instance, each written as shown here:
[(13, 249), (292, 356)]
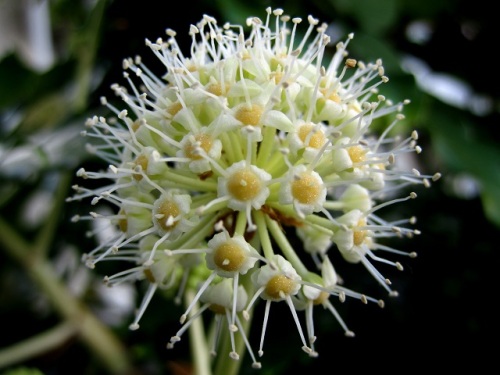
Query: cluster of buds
[(241, 168)]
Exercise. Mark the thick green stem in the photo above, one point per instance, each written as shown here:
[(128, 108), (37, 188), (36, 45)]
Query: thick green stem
[(86, 52), (198, 341), (286, 248), (226, 365), (37, 344)]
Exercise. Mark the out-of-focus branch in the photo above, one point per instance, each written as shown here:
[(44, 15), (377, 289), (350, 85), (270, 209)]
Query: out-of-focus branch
[(92, 332), (37, 344)]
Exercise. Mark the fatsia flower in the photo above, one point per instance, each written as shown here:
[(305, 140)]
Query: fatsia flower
[(240, 160)]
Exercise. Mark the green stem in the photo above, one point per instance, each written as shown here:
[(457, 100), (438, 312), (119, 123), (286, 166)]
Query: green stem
[(226, 365), (47, 232), (173, 179), (266, 146), (285, 247), (241, 223), (198, 340), (265, 240), (86, 51), (37, 344)]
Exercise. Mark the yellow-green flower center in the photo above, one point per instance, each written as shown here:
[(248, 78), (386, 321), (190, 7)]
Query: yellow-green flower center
[(323, 296), (203, 141), (142, 161), (356, 153), (306, 189), (244, 185), (250, 115), (123, 222), (279, 286), (216, 89), (359, 235), (316, 140), (229, 256), (168, 210), (174, 108)]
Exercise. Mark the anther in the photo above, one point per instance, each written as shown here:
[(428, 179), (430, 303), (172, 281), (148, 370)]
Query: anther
[(234, 356), (342, 297), (436, 176), (349, 334), (81, 173)]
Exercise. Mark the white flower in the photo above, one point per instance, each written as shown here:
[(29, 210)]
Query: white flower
[(169, 213), (230, 255), (217, 160), (308, 139), (219, 298), (304, 189), (245, 186), (316, 296), (277, 281)]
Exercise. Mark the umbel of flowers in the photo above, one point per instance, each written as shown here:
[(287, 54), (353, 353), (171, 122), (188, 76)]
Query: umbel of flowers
[(241, 167)]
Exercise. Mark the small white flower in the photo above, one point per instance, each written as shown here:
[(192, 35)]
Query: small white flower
[(277, 281), (304, 189), (219, 298), (308, 139), (170, 213), (320, 296), (230, 255), (244, 185), (193, 145)]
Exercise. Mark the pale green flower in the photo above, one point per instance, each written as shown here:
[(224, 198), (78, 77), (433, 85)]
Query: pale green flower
[(243, 158)]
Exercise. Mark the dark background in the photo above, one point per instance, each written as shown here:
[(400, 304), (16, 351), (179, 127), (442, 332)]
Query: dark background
[(445, 317)]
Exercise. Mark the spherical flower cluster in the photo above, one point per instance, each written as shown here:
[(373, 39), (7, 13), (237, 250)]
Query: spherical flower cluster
[(239, 169)]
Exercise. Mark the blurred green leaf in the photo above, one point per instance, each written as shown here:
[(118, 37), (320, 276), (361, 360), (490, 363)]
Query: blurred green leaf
[(21, 85), (237, 12), (369, 48), (374, 17), (46, 113), (459, 144), (17, 81), (85, 45), (426, 9), (23, 371)]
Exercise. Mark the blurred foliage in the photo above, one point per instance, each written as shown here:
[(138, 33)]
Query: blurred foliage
[(445, 293)]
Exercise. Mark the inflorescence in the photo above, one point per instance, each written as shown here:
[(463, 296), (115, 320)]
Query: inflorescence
[(241, 145)]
